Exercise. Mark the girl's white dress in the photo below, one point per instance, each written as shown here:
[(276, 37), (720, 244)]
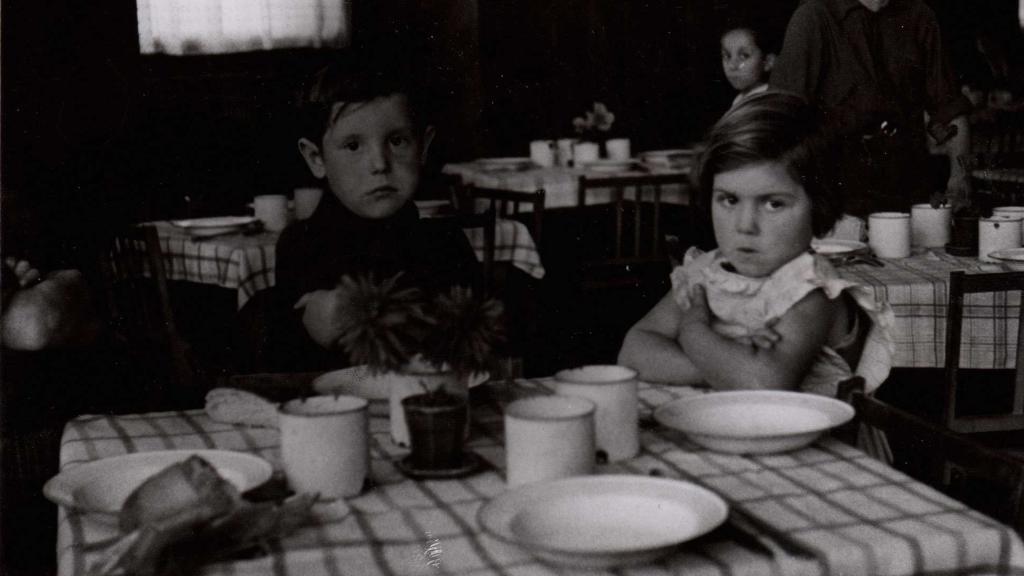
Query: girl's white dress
[(740, 305)]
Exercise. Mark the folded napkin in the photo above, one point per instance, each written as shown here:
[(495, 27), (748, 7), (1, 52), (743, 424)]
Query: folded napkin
[(234, 406)]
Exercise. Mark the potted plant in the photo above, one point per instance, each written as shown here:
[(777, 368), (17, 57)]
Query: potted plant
[(592, 128), (427, 347)]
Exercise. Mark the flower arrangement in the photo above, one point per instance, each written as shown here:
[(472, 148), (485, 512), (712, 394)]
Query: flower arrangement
[(388, 326), (594, 122)]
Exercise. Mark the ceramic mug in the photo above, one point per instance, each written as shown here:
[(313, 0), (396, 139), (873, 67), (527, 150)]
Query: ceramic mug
[(617, 148), (548, 437), (613, 389), (584, 152), (272, 209), (542, 153), (930, 227), (999, 232), (889, 234), (1011, 211), (325, 445)]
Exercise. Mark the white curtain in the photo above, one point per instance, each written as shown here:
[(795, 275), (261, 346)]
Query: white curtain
[(219, 26)]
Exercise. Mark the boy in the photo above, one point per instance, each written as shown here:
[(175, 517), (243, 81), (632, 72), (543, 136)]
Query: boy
[(746, 60), (362, 135)]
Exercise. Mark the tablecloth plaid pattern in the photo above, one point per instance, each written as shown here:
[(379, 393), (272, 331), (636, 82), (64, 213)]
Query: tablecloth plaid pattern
[(246, 262), (561, 185), (825, 509), (917, 288)]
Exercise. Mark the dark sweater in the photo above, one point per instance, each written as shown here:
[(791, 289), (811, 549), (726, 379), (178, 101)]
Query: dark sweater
[(314, 254)]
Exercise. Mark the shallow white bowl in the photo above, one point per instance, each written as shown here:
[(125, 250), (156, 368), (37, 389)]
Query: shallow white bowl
[(603, 521), (359, 381), (102, 486), (754, 421), (1012, 258)]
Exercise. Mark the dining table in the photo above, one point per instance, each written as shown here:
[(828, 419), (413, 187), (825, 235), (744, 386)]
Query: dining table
[(560, 183), (917, 289), (245, 261), (827, 508)]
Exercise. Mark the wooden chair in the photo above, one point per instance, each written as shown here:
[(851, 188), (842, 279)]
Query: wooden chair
[(139, 305), (991, 192), (959, 285), (637, 243), (989, 480), (485, 222), (505, 204)]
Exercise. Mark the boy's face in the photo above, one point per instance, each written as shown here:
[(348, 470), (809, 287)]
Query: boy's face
[(370, 155), (744, 64)]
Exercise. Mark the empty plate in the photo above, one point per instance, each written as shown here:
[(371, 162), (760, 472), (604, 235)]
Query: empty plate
[(214, 226), (593, 522), (102, 486), (505, 164), (838, 247), (610, 165), (754, 421), (1013, 258)]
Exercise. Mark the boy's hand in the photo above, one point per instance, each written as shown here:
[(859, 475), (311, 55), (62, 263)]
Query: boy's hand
[(322, 316), (26, 274)]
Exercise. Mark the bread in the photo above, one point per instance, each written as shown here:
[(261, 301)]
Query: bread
[(185, 494), (234, 406)]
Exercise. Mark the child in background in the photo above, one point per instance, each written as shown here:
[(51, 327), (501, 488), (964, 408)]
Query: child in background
[(763, 311), (361, 133), (746, 60)]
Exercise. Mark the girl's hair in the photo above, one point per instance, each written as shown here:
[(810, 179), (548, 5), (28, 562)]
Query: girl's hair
[(774, 126)]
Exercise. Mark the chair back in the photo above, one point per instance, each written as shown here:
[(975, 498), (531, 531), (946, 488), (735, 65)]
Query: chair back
[(139, 304), (481, 223), (505, 204), (961, 284), (989, 480)]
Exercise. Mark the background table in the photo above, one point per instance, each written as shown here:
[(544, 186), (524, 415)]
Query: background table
[(246, 262), (917, 288), (561, 185), (845, 512)]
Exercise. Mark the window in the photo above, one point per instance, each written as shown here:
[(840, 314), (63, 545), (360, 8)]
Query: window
[(219, 26)]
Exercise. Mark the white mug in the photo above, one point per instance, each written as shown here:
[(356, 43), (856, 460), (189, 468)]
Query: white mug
[(272, 209), (1011, 211), (930, 227), (306, 201), (617, 149), (564, 151), (613, 389), (997, 233), (542, 152), (325, 445), (889, 234), (583, 152), (548, 437)]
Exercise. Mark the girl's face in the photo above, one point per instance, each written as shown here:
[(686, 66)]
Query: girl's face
[(745, 65), (762, 217)]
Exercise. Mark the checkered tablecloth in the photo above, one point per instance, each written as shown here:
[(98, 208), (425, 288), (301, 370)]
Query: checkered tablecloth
[(825, 509), (917, 288), (246, 262), (561, 185)]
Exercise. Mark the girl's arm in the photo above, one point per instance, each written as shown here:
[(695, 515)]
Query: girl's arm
[(728, 364), (650, 347)]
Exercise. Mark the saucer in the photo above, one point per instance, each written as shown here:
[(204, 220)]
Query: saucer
[(471, 462)]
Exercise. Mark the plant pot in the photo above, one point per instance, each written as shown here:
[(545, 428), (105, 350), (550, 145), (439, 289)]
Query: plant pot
[(437, 423), (964, 236), (409, 383)]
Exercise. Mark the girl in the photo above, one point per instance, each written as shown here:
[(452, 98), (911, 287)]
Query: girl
[(763, 310), (746, 61)]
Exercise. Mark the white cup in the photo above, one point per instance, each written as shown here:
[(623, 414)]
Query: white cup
[(325, 445), (614, 390), (889, 234), (930, 227), (1011, 211), (306, 201), (999, 232), (548, 437), (583, 152), (542, 152), (564, 151), (272, 209), (617, 149)]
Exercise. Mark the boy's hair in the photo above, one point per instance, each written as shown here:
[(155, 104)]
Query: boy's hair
[(774, 126), (349, 80), (765, 37)]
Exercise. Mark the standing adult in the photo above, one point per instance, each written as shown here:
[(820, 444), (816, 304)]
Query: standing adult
[(874, 68)]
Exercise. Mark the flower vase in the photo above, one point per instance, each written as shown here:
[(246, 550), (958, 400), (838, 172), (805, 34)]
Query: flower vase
[(437, 423), (409, 383)]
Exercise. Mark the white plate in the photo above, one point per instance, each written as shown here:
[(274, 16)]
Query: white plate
[(602, 521), (610, 165), (359, 381), (215, 225), (754, 421), (502, 164), (102, 486), (837, 246), (1012, 257)]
